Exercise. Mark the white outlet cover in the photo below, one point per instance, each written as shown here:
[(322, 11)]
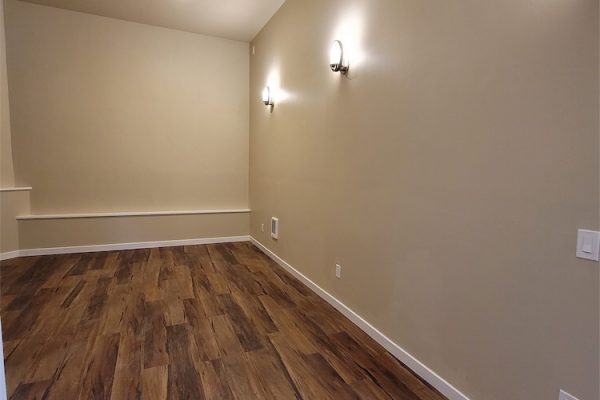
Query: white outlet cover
[(566, 396), (338, 271), (588, 245)]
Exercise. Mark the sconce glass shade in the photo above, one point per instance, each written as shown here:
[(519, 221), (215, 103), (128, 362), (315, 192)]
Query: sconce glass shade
[(266, 96), (337, 63)]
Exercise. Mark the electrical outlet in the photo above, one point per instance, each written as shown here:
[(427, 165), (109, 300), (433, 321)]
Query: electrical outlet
[(262, 227), (566, 396), (338, 271)]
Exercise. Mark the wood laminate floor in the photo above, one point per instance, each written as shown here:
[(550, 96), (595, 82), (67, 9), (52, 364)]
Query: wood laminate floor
[(197, 322)]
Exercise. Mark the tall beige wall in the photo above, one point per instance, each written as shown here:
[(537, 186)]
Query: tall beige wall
[(448, 174), (109, 115), (7, 176), (11, 203)]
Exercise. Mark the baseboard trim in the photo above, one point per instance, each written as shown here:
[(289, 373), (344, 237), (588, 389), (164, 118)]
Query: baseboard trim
[(8, 255), (418, 367), (16, 189), (120, 246), (34, 217)]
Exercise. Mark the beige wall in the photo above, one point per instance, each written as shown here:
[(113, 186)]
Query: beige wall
[(7, 176), (12, 204), (448, 175), (109, 115), (36, 234)]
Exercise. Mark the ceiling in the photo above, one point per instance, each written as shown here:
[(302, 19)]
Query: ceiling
[(230, 19)]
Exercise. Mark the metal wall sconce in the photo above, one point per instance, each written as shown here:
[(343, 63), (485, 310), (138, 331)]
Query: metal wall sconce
[(337, 61), (267, 97)]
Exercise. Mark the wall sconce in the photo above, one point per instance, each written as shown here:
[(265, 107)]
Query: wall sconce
[(267, 97), (337, 61)]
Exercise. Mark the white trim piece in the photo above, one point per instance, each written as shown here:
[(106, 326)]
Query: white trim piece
[(130, 214), (16, 189), (120, 246), (562, 395), (8, 255), (418, 367)]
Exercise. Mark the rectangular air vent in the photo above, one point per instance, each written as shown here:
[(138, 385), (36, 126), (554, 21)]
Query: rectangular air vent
[(275, 228)]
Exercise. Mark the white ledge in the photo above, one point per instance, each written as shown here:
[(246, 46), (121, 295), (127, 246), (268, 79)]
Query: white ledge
[(16, 189), (131, 214)]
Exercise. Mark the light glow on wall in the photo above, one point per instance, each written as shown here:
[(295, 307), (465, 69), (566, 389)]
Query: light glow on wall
[(278, 94), (349, 30)]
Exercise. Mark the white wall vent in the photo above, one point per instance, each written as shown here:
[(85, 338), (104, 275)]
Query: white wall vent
[(275, 228)]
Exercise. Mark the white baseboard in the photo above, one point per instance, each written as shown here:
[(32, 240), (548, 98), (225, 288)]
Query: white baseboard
[(8, 255), (119, 246), (418, 367)]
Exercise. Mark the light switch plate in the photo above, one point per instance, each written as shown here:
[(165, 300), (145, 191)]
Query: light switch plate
[(588, 244), (565, 396)]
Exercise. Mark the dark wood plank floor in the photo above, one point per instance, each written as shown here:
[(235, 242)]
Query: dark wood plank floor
[(198, 322)]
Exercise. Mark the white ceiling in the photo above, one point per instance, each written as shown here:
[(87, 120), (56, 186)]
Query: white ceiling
[(230, 19)]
